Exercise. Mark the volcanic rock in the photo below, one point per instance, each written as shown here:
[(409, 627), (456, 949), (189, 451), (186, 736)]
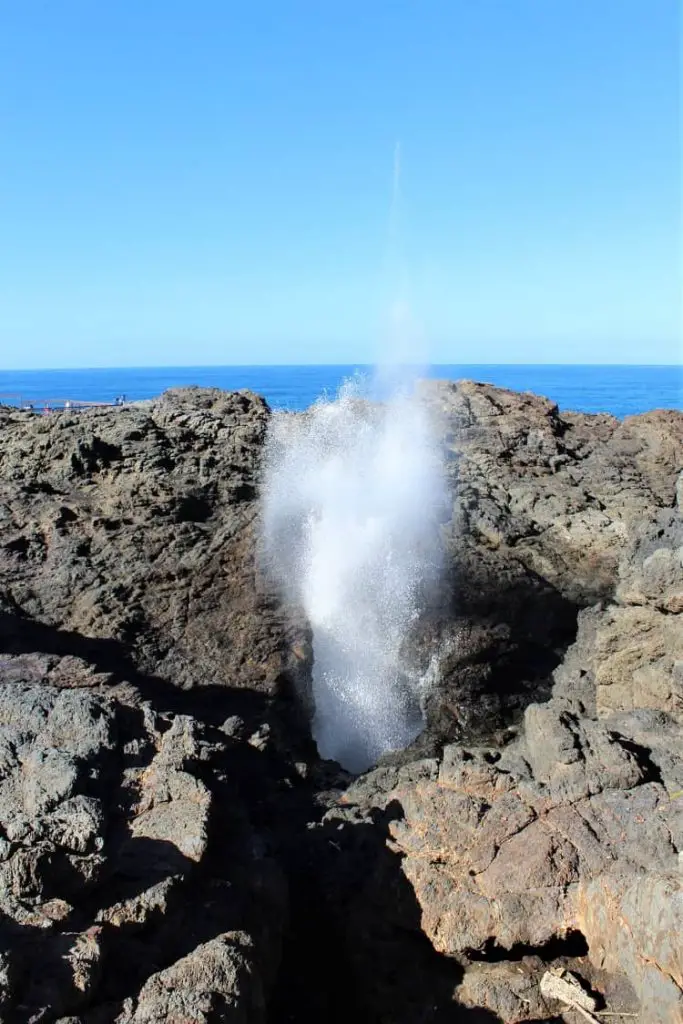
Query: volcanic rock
[(171, 848), (132, 532), (105, 876), (552, 513)]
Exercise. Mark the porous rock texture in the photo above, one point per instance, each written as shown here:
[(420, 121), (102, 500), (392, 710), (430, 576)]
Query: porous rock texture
[(107, 810), (139, 651), (171, 848), (546, 505), (134, 530), (565, 842)]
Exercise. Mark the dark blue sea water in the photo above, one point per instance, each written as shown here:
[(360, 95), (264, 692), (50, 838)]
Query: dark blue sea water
[(620, 390)]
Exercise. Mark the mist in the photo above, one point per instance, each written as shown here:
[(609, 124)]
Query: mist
[(351, 497), (353, 493)]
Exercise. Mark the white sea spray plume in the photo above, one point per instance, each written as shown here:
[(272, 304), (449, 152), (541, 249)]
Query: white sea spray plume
[(352, 493)]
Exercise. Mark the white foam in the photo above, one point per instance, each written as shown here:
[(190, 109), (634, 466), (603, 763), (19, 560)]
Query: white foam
[(352, 493)]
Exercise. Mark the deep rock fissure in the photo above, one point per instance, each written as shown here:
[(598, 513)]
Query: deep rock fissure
[(513, 679), (142, 608)]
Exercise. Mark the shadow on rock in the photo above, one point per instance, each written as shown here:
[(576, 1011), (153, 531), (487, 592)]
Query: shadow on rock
[(110, 663), (489, 642), (356, 950), (177, 888), (60, 956)]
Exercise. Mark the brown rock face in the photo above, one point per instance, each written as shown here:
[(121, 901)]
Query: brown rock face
[(165, 834), (562, 850), (135, 529), (563, 846), (545, 506)]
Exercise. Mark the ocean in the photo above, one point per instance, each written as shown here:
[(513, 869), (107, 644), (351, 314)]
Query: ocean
[(620, 390)]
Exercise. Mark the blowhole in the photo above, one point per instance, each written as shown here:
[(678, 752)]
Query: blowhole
[(353, 498)]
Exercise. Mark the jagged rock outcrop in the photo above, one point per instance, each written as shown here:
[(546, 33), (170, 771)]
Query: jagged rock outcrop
[(629, 651), (560, 490), (170, 846), (110, 905), (576, 827), (545, 505), (505, 854), (134, 529)]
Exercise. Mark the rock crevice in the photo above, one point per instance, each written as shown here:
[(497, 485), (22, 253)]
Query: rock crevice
[(171, 846)]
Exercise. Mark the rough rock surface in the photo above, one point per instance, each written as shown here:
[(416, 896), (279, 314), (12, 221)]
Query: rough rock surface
[(506, 854), (573, 832), (171, 849), (134, 529), (110, 902), (545, 505), (631, 650)]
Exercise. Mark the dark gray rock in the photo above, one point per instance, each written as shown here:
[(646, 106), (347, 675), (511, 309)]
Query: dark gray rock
[(214, 983), (550, 511), (155, 786), (129, 538), (109, 900)]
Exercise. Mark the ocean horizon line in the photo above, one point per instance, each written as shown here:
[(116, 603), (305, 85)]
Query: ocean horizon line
[(617, 388), (327, 365)]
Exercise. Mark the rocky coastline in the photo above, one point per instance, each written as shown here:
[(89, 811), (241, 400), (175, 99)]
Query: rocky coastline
[(171, 846)]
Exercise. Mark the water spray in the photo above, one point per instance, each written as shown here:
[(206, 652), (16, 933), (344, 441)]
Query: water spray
[(352, 496)]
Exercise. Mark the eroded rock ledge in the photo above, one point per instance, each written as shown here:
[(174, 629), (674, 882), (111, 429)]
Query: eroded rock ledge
[(170, 847)]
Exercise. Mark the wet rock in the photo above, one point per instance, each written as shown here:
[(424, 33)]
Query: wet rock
[(572, 832)]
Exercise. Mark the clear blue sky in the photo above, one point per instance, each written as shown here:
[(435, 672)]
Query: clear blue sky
[(209, 181)]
